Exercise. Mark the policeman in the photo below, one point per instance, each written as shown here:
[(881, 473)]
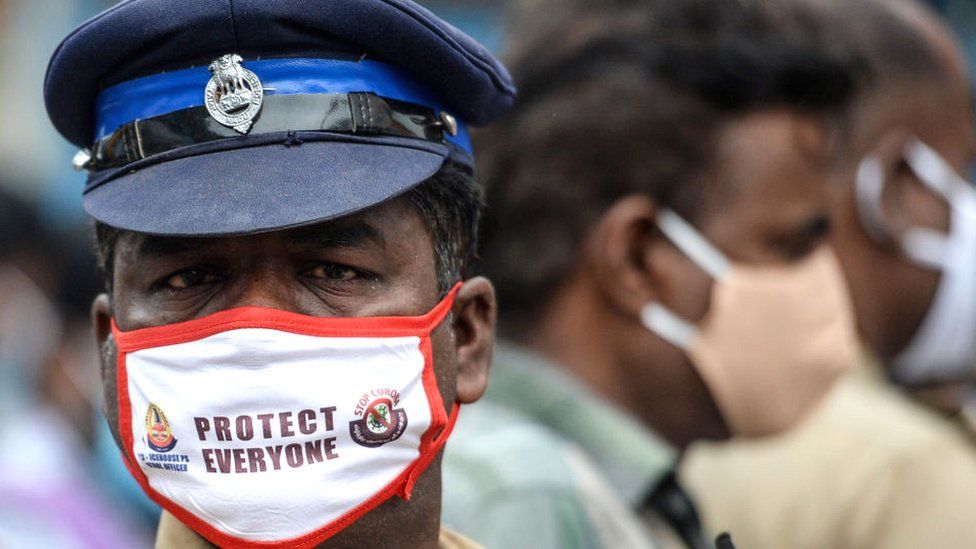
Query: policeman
[(285, 206)]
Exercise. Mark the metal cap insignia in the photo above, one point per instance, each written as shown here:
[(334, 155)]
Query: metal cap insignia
[(234, 95)]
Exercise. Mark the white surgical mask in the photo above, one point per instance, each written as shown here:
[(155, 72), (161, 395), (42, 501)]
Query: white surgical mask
[(944, 346), (259, 427), (775, 339)]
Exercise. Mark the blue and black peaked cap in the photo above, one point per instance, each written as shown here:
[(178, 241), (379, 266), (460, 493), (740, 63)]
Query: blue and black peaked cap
[(225, 117)]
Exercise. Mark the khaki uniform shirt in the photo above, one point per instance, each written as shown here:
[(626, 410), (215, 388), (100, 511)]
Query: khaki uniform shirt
[(869, 469)]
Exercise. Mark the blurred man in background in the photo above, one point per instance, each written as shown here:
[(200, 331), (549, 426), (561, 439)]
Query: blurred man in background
[(657, 227), (871, 468), (47, 496), (908, 224)]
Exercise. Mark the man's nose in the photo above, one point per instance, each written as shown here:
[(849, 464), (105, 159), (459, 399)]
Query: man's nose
[(270, 288)]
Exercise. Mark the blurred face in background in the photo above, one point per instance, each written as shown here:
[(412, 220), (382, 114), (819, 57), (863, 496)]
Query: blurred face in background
[(664, 232), (765, 209), (893, 292)]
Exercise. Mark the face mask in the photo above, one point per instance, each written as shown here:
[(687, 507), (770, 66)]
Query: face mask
[(944, 346), (259, 427), (774, 340)]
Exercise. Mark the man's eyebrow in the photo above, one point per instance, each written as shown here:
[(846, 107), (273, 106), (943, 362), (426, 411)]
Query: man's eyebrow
[(340, 236)]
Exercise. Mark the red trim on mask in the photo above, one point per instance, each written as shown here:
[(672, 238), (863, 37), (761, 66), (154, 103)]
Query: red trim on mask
[(432, 441), (275, 319), (438, 417)]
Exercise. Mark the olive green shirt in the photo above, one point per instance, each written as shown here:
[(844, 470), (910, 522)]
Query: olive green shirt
[(543, 462)]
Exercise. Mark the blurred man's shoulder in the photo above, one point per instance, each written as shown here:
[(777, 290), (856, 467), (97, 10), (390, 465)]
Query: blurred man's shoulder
[(865, 456), (509, 480), (505, 449)]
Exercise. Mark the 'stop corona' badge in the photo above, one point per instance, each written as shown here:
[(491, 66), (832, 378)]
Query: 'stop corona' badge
[(234, 95)]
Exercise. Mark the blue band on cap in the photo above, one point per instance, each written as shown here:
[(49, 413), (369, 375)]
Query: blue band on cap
[(173, 91)]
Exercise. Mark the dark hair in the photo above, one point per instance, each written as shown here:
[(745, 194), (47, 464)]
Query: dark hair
[(896, 53), (633, 105), (450, 203)]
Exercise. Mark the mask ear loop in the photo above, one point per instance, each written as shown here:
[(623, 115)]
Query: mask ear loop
[(435, 443), (868, 186), (691, 243), (925, 246), (423, 462), (656, 317)]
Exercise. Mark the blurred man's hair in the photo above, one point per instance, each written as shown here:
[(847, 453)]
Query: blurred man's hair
[(899, 60), (633, 102), (893, 47)]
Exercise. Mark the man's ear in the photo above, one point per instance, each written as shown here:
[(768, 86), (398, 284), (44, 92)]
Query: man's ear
[(101, 317), (815, 139), (628, 255), (900, 181), (474, 314)]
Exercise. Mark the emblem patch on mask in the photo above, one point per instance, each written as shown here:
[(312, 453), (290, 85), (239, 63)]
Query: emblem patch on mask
[(234, 95), (381, 421), (159, 436)]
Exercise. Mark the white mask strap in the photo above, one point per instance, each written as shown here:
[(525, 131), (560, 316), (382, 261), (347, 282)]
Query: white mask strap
[(693, 244), (932, 169), (656, 317), (669, 326), (926, 247), (869, 185)]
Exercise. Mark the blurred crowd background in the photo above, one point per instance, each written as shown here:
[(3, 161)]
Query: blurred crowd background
[(51, 427)]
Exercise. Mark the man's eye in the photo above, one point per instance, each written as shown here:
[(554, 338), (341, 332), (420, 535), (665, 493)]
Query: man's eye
[(800, 243), (333, 271), (188, 279)]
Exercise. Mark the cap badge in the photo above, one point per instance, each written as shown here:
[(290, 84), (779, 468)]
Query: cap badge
[(234, 95)]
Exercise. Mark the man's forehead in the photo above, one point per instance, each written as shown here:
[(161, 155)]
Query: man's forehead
[(346, 232)]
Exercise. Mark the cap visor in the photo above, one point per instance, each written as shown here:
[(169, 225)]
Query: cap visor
[(259, 189)]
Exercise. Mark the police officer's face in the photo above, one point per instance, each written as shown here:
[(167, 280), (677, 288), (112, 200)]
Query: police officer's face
[(378, 263)]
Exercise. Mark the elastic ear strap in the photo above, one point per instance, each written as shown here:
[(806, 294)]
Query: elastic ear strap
[(693, 244), (869, 184), (932, 169), (440, 311), (926, 247), (435, 447), (669, 326)]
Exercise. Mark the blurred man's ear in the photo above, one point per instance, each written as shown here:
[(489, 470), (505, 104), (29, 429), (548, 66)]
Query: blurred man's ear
[(631, 260), (101, 316), (474, 316), (907, 201), (816, 140)]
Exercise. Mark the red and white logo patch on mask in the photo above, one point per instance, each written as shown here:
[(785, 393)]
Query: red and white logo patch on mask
[(259, 427)]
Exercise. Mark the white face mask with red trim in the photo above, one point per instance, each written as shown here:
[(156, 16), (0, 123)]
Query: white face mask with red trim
[(262, 427)]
